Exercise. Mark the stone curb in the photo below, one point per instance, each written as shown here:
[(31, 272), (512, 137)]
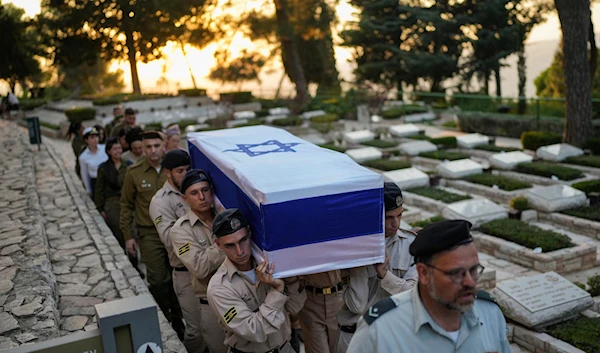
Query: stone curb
[(496, 195), (578, 225)]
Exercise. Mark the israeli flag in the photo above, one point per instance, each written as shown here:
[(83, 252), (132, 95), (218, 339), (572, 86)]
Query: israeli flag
[(310, 209)]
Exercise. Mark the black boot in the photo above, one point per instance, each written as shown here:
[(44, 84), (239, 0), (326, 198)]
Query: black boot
[(179, 327), (294, 341)]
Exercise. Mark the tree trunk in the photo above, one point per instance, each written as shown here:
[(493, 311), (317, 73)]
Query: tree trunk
[(593, 52), (574, 16), (131, 51), (498, 82), (188, 64), (289, 54), (521, 68)]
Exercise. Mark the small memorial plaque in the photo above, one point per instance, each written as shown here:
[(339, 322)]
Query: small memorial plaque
[(542, 291)]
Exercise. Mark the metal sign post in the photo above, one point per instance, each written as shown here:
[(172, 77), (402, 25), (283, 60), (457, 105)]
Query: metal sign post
[(35, 134)]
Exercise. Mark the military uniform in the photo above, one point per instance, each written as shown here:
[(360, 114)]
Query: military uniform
[(78, 145), (194, 246), (165, 208), (402, 324), (114, 132), (253, 314)]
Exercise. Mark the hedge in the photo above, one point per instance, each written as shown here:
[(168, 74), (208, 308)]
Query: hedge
[(589, 161), (327, 118), (379, 143), (494, 148), (439, 194), (443, 155), (532, 140), (594, 283), (289, 121), (387, 165), (192, 92), (80, 114), (588, 212), (106, 101), (419, 137), (450, 124), (402, 110), (548, 170), (425, 222), (520, 203), (49, 125), (331, 146), (593, 144), (31, 104), (527, 235), (504, 183), (588, 186), (236, 97), (447, 141), (583, 333)]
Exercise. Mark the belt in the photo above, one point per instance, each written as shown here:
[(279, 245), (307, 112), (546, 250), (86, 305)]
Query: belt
[(348, 329), (276, 350), (338, 287), (181, 269), (203, 301)]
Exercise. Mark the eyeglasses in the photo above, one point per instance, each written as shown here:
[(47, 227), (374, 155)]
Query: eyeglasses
[(458, 276)]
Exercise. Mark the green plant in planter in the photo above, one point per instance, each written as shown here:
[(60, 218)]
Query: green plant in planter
[(588, 186), (519, 203), (423, 223), (504, 183), (583, 333), (446, 142), (439, 194), (379, 143), (532, 140), (580, 285), (527, 235), (387, 165), (588, 212), (589, 161), (594, 283), (548, 170)]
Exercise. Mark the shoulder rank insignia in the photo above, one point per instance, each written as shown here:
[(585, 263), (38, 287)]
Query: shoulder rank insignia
[(185, 248), (483, 295), (158, 220), (380, 308), (230, 315)]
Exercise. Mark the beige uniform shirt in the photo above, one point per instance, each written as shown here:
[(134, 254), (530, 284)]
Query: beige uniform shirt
[(324, 279), (254, 316), (194, 245), (365, 288), (166, 207)]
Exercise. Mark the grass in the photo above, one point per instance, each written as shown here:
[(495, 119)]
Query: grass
[(527, 235), (425, 222), (504, 183), (494, 148), (588, 212), (589, 161), (443, 155), (445, 142), (333, 147), (379, 143), (439, 194), (548, 170), (583, 333), (588, 186), (387, 165)]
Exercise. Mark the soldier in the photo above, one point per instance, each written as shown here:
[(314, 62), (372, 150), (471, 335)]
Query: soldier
[(133, 139), (367, 285), (193, 243), (445, 312), (251, 304), (117, 117), (165, 208), (142, 181), (128, 123)]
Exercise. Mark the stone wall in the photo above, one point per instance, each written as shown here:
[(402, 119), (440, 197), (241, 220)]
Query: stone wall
[(496, 195), (574, 224), (423, 202), (538, 342)]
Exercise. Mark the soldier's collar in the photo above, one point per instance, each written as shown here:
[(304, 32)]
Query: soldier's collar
[(170, 188), (194, 218), (422, 317), (232, 269)]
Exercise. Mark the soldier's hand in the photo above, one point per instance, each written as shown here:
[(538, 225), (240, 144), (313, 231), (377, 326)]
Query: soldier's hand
[(132, 247), (265, 274), (382, 268)]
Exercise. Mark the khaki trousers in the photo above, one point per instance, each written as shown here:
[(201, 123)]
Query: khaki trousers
[(318, 319), (343, 342), (287, 348), (190, 310), (211, 330)]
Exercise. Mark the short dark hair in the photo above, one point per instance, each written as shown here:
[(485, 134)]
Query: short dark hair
[(129, 111), (111, 142)]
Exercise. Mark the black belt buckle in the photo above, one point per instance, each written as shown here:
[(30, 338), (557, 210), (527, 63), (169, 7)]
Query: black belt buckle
[(349, 328), (328, 290)]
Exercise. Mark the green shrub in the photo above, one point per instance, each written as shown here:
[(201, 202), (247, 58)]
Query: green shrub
[(439, 194), (590, 161), (520, 203), (494, 148), (532, 140), (323, 128), (423, 223), (583, 333), (289, 121), (549, 169), (153, 127), (527, 235), (387, 165), (580, 285), (443, 155), (327, 118), (588, 186), (450, 123), (504, 183), (192, 92), (594, 283), (236, 97), (333, 147), (262, 113), (106, 101), (379, 143), (49, 125), (419, 137), (31, 104), (588, 212), (80, 114), (400, 111), (446, 141), (593, 144)]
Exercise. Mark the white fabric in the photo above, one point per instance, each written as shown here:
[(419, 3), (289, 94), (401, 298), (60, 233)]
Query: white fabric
[(12, 99), (453, 335), (251, 275), (89, 163)]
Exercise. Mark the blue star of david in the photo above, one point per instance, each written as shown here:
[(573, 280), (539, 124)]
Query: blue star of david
[(278, 147)]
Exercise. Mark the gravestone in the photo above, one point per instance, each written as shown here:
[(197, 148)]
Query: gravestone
[(279, 111), (509, 160), (234, 123), (361, 155), (558, 152), (472, 140), (476, 211), (362, 112), (555, 198), (312, 114), (404, 130), (541, 300), (459, 168), (244, 115), (252, 106), (313, 138), (407, 178), (415, 118), (416, 147), (359, 136), (269, 119)]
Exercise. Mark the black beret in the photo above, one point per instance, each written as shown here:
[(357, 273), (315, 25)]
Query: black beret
[(133, 135), (228, 222), (440, 236), (129, 111), (392, 196), (175, 158), (192, 177), (151, 135)]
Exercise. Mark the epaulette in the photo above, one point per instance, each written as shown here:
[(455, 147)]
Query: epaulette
[(483, 295), (409, 231), (136, 164), (377, 310)]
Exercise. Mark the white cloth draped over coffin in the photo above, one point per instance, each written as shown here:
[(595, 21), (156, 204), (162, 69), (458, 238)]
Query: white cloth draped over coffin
[(311, 209)]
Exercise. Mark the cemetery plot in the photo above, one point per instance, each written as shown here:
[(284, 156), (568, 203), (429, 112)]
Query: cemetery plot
[(555, 198), (444, 155), (509, 160), (387, 164), (407, 178), (472, 140), (439, 194), (459, 169), (361, 155), (558, 152), (588, 161), (494, 187), (583, 220), (476, 211), (582, 333), (502, 182), (380, 143), (549, 170)]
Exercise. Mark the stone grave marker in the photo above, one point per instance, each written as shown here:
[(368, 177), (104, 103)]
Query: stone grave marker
[(234, 123), (252, 106), (555, 198), (194, 128), (407, 178), (362, 112), (541, 300), (244, 115), (509, 160), (404, 130), (459, 168), (359, 136), (314, 138), (312, 114), (558, 152), (472, 140), (415, 118), (416, 147), (476, 211), (279, 111), (361, 155)]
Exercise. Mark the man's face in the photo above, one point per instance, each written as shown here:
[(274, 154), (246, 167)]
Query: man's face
[(392, 221), (176, 175), (439, 285), (117, 112), (137, 148), (153, 149), (130, 119), (199, 196), (237, 247)]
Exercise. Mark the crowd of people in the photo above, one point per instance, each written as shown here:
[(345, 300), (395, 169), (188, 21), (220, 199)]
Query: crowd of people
[(200, 269)]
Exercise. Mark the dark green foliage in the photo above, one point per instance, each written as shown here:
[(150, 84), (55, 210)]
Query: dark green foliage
[(446, 142), (192, 92), (443, 155), (519, 203), (419, 137), (494, 148), (423, 223), (593, 144), (236, 97), (333, 147), (583, 333), (588, 186), (548, 170), (504, 183), (594, 283), (450, 124), (327, 118), (580, 285), (379, 143), (387, 165), (590, 161), (588, 212), (402, 110), (107, 101), (49, 125), (31, 104), (439, 194), (80, 114), (289, 121), (527, 235), (153, 127), (532, 140)]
